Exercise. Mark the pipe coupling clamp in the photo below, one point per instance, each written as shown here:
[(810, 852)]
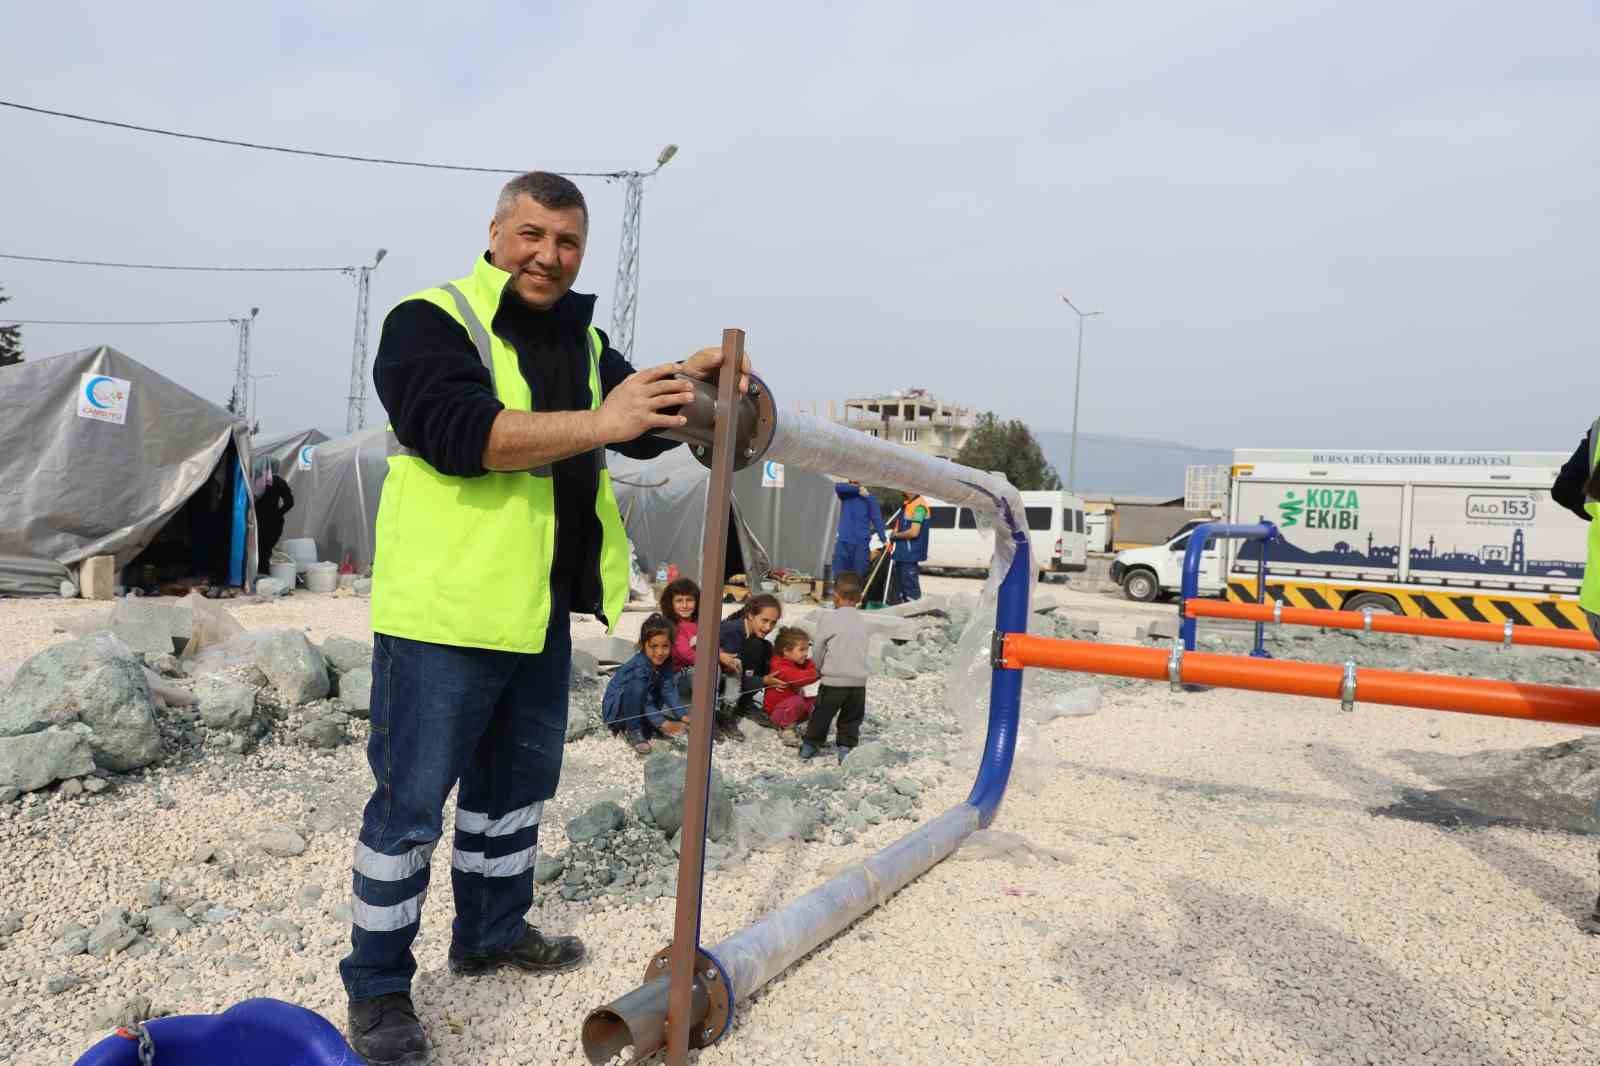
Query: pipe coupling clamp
[(997, 650), (1366, 619), (1347, 689), (1509, 627), (1175, 665)]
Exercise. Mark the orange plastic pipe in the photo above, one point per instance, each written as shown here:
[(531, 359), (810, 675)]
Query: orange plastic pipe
[(1489, 632), (1395, 688)]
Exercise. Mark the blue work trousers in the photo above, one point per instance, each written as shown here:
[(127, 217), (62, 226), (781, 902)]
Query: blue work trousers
[(908, 582), (496, 722), (851, 558)]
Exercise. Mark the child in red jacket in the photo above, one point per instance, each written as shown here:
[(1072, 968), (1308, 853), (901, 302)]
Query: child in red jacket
[(785, 701)]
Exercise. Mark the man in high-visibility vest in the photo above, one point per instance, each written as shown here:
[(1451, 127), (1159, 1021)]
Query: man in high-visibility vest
[(1577, 488), (910, 543), (497, 521)]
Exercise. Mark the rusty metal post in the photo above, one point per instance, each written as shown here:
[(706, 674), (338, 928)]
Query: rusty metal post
[(697, 782)]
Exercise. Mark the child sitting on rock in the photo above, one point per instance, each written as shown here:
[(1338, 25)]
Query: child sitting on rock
[(746, 657), (641, 698), (785, 701), (680, 606)]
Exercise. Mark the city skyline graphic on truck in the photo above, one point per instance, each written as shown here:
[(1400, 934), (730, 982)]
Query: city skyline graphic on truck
[(1339, 509)]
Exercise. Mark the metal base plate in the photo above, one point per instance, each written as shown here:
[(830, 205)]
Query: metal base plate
[(719, 993)]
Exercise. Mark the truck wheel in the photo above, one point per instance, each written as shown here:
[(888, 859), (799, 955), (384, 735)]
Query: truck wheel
[(1377, 602), (1141, 586)]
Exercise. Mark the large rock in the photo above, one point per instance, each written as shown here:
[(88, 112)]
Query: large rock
[(890, 626), (293, 667), (226, 704), (327, 730), (585, 667), (149, 626), (281, 842), (38, 759), (929, 604), (355, 689), (96, 681), (112, 935), (598, 820), (663, 792), (344, 654)]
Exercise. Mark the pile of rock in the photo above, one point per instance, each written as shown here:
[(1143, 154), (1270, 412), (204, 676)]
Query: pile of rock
[(120, 699)]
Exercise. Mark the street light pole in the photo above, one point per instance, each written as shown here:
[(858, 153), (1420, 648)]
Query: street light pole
[(254, 418), (356, 412), (1077, 390), (625, 296)]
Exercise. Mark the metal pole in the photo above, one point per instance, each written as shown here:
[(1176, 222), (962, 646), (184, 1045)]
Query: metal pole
[(1077, 389), (1077, 392), (697, 782), (356, 414)]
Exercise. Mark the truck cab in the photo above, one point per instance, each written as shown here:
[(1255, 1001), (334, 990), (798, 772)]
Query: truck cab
[(1148, 574)]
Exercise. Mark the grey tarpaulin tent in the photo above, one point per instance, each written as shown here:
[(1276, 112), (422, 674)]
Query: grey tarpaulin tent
[(336, 495), (98, 455), (663, 503), (285, 449)]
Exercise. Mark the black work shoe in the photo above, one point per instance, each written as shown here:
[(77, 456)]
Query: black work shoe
[(384, 1030), (535, 953)]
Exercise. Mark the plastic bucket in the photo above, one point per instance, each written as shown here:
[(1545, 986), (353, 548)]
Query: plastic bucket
[(303, 550), (284, 573), (322, 577)]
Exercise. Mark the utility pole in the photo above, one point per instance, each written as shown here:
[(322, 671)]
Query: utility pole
[(625, 298), (254, 418), (356, 416), (239, 402), (1077, 389)]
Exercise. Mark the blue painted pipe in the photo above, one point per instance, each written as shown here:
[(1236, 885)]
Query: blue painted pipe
[(1005, 690), (1199, 540)]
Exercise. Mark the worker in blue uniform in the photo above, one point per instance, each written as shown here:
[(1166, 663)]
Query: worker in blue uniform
[(859, 521)]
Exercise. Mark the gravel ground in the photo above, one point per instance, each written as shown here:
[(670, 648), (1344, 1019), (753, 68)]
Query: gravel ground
[(1173, 879)]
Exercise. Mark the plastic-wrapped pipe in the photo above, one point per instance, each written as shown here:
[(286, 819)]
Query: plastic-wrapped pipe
[(752, 957), (818, 444)]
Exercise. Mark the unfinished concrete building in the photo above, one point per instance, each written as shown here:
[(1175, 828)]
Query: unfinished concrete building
[(910, 417)]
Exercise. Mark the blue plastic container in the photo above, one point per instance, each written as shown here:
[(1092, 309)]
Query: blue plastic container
[(257, 1032)]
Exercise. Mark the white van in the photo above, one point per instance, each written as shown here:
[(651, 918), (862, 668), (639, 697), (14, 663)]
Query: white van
[(1055, 528)]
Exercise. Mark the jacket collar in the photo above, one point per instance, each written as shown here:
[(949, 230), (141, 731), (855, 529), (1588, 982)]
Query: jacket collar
[(494, 288)]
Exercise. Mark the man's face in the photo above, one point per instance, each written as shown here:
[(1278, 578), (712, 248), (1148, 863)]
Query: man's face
[(541, 248)]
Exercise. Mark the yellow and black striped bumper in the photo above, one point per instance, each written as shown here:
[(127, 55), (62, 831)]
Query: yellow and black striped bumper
[(1544, 612)]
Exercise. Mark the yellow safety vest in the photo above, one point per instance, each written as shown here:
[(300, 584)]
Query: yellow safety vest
[(1590, 597), (466, 561)]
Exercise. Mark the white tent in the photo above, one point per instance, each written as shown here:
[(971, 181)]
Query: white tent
[(663, 502)]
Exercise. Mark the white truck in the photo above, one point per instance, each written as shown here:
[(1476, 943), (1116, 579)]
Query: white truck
[(1471, 536)]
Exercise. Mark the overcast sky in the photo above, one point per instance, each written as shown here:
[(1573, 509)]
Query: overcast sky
[(1308, 223)]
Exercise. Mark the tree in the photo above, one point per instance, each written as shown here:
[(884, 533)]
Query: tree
[(10, 340), (1010, 448)]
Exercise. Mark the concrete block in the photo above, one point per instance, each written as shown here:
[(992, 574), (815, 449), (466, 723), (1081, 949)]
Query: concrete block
[(607, 649), (97, 575)]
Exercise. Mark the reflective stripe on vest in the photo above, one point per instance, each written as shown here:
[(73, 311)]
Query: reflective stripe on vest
[(1589, 598), (465, 561)]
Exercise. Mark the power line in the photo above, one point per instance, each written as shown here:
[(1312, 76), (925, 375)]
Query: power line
[(164, 266), (83, 322), (299, 151)]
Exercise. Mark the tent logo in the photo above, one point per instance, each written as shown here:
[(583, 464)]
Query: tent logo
[(104, 399), (303, 459)]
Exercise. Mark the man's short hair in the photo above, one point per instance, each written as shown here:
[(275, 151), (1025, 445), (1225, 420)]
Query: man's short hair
[(544, 188), (847, 586)]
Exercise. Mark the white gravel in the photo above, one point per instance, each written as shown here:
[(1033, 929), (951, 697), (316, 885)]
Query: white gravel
[(1204, 884)]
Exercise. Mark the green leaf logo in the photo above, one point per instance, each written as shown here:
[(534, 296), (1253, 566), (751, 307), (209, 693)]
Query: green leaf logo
[(1290, 509)]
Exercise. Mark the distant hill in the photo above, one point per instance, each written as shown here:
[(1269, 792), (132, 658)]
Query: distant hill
[(1128, 466)]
